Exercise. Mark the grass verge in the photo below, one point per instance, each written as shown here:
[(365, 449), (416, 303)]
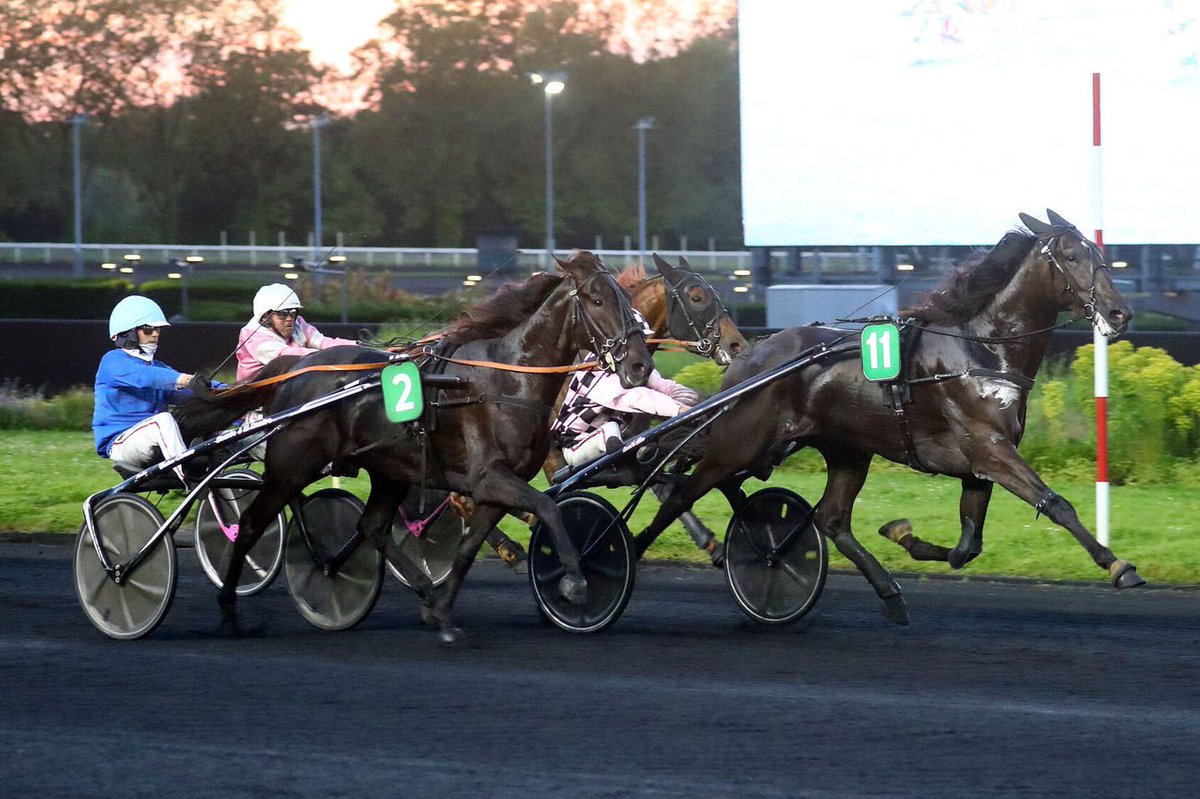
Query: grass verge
[(46, 475)]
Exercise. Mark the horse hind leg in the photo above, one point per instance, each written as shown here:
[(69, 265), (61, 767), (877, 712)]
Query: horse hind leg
[(704, 538), (847, 471), (511, 552)]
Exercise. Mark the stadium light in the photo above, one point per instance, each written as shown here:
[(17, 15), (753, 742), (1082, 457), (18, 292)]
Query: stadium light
[(552, 83)]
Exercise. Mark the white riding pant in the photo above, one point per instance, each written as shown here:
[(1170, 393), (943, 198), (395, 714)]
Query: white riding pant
[(134, 449), (594, 445)]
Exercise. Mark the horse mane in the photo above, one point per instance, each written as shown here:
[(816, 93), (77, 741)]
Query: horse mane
[(631, 276), (512, 304), (970, 287)]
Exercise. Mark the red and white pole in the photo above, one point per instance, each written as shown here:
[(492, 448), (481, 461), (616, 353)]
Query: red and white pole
[(1099, 341)]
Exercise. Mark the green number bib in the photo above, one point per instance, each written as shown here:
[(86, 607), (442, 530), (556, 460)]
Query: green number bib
[(402, 396), (881, 352)]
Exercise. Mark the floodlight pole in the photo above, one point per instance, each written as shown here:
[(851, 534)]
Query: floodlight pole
[(644, 124), (317, 124), (77, 187)]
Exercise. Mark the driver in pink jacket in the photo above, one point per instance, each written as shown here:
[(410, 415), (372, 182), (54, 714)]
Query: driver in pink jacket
[(277, 329)]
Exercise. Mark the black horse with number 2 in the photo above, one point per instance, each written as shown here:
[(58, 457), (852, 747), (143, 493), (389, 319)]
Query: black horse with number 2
[(982, 337), (488, 446)]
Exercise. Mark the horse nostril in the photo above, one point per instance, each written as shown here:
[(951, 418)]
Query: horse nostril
[(1117, 317)]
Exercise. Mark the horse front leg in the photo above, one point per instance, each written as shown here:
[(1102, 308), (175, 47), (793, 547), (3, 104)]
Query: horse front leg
[(1001, 463), (847, 472), (972, 510)]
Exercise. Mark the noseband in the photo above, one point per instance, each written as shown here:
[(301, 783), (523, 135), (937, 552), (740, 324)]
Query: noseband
[(1088, 306), (707, 334), (610, 350)]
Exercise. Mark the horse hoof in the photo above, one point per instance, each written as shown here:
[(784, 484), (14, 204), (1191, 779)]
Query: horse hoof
[(718, 556), (897, 531), (1124, 575), (428, 617), (895, 609), (573, 589), (961, 557), (452, 637)]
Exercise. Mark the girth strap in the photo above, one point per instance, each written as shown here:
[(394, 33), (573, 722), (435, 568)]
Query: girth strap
[(500, 399)]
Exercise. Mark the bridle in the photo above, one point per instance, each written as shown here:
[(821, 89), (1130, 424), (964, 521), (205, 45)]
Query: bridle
[(707, 334), (609, 350), (1098, 263)]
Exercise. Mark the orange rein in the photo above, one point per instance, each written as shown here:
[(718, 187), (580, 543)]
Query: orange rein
[(363, 367)]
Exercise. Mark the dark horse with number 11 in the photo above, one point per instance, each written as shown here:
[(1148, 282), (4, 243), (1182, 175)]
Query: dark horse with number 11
[(958, 408), (490, 437)]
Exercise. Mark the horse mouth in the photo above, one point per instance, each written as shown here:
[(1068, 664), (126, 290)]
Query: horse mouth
[(1105, 328)]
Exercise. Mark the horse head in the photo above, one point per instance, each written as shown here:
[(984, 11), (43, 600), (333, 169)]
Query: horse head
[(603, 319), (1081, 266), (695, 313)]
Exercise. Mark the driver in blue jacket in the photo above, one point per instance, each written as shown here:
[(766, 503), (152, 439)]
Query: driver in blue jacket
[(133, 389)]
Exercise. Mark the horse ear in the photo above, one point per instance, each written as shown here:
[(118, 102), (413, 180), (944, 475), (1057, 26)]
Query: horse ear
[(1056, 219), (683, 262), (1036, 226), (664, 268)]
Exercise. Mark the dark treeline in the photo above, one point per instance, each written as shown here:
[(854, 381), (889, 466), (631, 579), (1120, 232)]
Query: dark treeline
[(453, 148)]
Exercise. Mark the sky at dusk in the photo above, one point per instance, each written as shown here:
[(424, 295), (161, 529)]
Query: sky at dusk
[(331, 30)]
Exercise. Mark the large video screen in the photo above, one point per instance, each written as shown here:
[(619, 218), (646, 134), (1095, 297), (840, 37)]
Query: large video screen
[(922, 122)]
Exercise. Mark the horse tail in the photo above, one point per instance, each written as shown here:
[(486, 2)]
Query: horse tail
[(205, 413)]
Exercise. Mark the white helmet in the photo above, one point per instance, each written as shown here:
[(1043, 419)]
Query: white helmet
[(275, 297), (135, 311)]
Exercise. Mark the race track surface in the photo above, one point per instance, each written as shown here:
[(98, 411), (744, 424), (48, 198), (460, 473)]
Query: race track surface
[(995, 690)]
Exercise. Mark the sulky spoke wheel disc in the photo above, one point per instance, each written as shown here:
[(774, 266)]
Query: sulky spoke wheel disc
[(214, 548), (434, 550), (124, 524), (606, 556), (775, 560), (340, 599)]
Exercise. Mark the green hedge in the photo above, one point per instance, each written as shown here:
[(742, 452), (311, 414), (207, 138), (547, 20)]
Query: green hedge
[(61, 299), (371, 299)]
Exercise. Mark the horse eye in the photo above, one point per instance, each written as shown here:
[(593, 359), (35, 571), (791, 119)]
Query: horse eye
[(1072, 257), (598, 301)]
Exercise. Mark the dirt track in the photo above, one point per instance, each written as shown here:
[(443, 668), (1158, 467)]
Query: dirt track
[(995, 689)]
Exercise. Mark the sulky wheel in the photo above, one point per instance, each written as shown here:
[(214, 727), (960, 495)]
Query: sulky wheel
[(330, 595), (135, 606), (214, 547), (606, 556), (775, 560), (434, 549)]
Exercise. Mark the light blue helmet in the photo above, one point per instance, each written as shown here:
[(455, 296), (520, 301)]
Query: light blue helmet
[(135, 311)]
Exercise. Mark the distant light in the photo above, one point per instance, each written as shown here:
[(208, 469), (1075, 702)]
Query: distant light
[(554, 87), (286, 265), (290, 275), (741, 289), (476, 278), (108, 266), (126, 270), (904, 267), (536, 78), (1120, 264), (468, 282), (741, 273), (174, 275), (195, 259), (336, 259), (132, 256)]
